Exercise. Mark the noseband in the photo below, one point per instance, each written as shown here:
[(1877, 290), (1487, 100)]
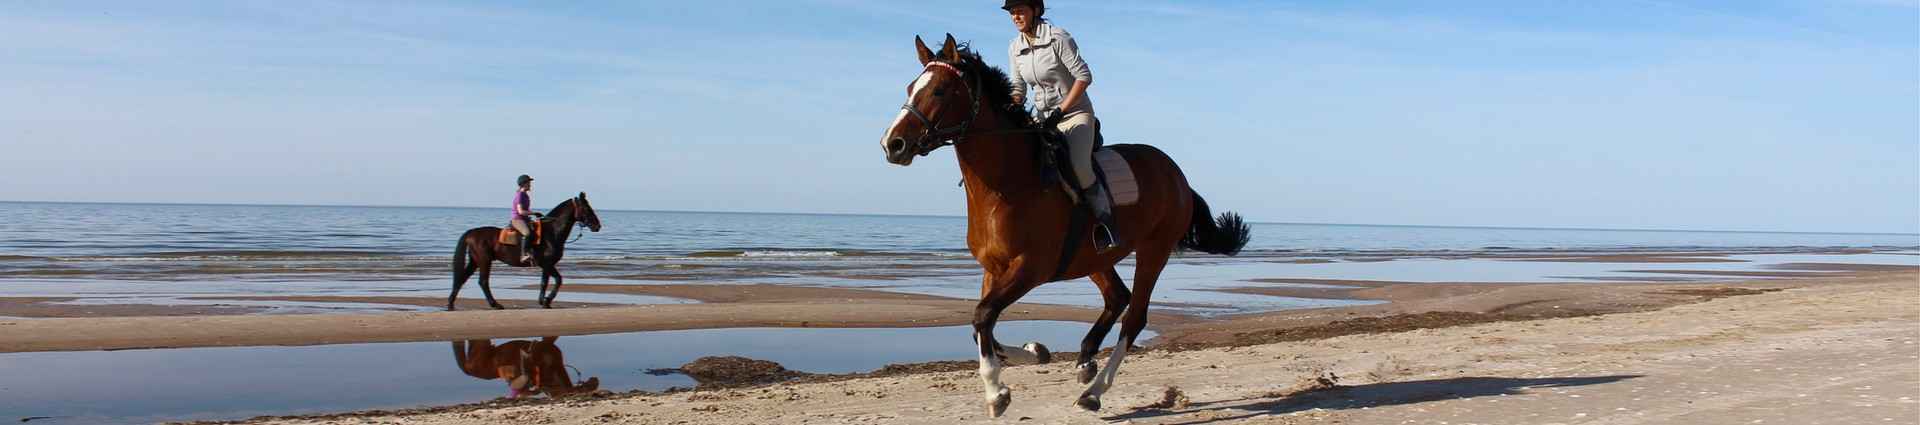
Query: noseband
[(931, 137)]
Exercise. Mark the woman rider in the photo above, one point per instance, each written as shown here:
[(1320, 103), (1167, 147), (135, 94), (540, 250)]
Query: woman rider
[(1044, 56), (523, 216)]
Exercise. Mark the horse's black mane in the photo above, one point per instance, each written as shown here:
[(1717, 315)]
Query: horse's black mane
[(567, 204), (994, 84)]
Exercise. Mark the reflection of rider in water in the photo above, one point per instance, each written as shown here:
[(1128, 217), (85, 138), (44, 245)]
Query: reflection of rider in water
[(528, 367)]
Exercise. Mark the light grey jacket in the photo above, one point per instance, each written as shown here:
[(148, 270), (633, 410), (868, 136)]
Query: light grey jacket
[(1050, 65)]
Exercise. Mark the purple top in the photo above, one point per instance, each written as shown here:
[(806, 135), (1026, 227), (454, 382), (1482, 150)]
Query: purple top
[(521, 203)]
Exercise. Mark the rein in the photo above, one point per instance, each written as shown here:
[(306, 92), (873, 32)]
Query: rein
[(577, 223)]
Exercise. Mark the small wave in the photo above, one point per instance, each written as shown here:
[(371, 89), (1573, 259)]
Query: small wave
[(230, 255), (716, 254), (352, 235), (19, 258), (794, 254)]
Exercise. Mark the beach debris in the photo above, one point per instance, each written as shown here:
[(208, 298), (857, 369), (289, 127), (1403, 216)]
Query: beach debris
[(1171, 399), (1719, 292), (735, 371)]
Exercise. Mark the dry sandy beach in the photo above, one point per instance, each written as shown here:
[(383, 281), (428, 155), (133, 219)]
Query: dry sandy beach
[(1820, 351)]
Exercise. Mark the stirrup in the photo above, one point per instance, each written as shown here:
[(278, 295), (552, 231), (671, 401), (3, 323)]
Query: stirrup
[(1103, 238), (1100, 203)]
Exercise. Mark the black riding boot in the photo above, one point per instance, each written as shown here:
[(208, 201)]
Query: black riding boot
[(526, 247), (1104, 235)]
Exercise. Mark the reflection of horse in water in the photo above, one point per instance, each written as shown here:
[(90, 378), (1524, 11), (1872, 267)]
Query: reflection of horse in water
[(528, 367)]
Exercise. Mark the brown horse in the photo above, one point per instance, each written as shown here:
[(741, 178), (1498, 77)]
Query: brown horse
[(480, 247), (1017, 219), (528, 367)]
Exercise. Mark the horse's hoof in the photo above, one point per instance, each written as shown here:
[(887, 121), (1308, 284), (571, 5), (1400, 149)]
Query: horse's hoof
[(449, 308), (1086, 373), (999, 405), (1089, 402), (499, 307), (546, 305), (1040, 352)]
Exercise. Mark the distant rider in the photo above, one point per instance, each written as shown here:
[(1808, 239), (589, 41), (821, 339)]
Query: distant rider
[(524, 217)]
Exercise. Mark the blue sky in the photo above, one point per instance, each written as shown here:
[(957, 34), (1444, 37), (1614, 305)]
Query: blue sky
[(1799, 115)]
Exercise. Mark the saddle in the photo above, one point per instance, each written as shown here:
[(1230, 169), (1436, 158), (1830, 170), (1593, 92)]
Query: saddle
[(511, 237), (1110, 169)]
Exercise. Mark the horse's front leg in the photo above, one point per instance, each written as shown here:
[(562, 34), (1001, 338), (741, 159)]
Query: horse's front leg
[(545, 274), (557, 281), (999, 294)]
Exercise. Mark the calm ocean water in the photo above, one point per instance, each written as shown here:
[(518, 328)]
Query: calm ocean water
[(144, 231)]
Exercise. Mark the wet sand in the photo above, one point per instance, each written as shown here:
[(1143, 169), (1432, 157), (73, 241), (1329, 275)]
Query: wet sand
[(45, 307), (731, 306), (1828, 350), (112, 327), (436, 303)]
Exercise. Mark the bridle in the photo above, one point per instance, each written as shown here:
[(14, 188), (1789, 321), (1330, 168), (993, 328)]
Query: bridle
[(933, 138), (577, 222)]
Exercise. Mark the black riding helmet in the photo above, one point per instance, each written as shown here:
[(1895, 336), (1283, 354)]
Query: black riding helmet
[(1039, 6), (524, 179)]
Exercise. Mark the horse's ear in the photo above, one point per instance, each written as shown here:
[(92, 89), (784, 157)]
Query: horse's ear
[(952, 48), (921, 46)]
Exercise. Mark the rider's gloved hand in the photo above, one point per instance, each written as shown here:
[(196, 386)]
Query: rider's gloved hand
[(1049, 117)]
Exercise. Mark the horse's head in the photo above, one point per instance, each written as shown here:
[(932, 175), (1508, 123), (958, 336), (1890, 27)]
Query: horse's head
[(584, 212), (941, 104)]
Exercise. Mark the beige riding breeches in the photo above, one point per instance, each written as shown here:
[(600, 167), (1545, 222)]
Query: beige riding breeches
[(1081, 135)]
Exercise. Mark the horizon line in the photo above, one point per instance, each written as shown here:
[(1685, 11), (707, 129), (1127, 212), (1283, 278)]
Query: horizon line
[(1442, 226)]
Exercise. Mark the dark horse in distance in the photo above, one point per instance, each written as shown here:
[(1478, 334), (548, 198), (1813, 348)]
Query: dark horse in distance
[(481, 246), (1017, 219)]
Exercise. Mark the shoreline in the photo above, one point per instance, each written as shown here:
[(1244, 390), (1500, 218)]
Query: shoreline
[(68, 327), (1332, 369)]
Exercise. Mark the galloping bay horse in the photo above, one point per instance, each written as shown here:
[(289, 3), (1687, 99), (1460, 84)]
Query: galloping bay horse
[(1017, 219), (481, 246)]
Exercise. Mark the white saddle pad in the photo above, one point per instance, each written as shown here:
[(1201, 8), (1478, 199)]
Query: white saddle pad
[(1119, 177)]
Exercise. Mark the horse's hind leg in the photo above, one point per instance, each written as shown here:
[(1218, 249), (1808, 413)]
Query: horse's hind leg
[(486, 270), (1147, 269), (459, 279), (1115, 292)]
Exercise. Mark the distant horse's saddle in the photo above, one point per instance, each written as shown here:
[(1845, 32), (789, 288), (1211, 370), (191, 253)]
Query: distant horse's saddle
[(1110, 168), (511, 237)]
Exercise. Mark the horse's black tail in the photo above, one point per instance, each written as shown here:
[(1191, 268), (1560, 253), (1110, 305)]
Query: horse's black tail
[(1223, 236), (461, 270)]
